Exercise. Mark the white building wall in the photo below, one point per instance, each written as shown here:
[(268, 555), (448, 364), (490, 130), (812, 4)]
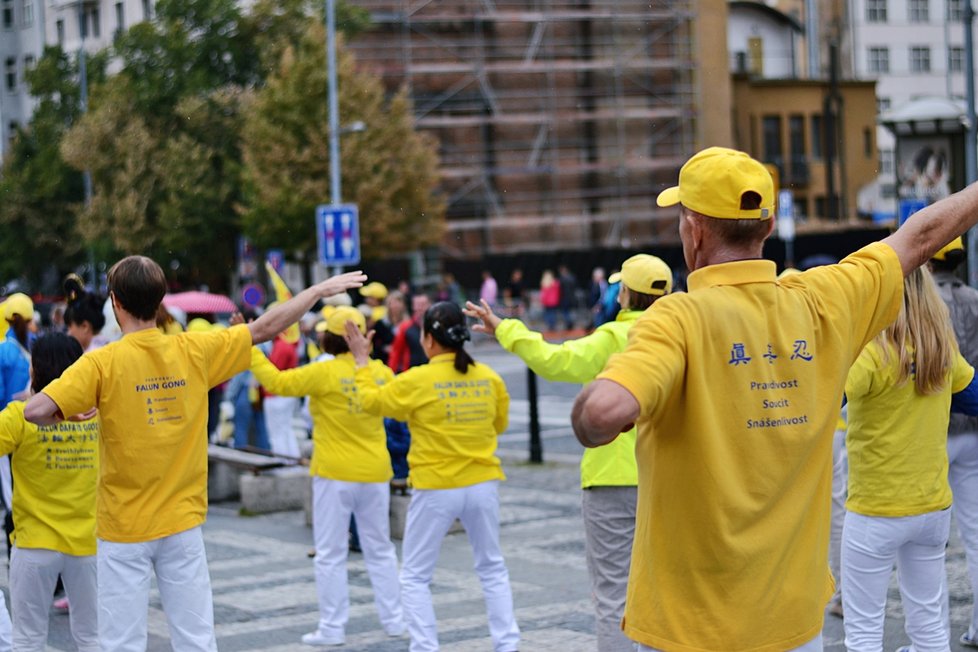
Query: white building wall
[(21, 43), (899, 33), (778, 44)]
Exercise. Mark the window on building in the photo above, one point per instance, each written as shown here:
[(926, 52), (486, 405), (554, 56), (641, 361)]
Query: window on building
[(875, 11), (12, 127), (771, 133), (59, 27), (868, 143), (27, 17), (883, 104), (919, 58), (918, 11), (10, 73), (96, 18), (886, 162), (955, 10), (8, 14), (83, 24), (797, 152), (147, 9), (878, 59), (817, 136), (28, 65), (120, 18), (955, 59)]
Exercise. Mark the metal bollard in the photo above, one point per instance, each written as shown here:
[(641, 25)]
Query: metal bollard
[(536, 445)]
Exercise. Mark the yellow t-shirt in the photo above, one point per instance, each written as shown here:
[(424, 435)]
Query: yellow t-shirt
[(349, 445), (151, 391), (739, 382), (55, 470), (454, 419), (897, 438)]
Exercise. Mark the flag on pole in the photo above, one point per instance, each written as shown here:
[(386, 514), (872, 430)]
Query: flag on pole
[(282, 293)]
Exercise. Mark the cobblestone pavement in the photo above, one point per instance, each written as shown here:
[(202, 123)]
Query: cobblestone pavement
[(265, 596)]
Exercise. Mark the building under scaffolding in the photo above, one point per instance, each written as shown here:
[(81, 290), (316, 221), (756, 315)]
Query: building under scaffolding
[(558, 121)]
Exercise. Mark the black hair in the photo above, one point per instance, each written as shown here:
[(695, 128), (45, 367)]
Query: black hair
[(83, 306), (445, 322), (951, 260), (50, 356), (138, 284), (334, 344)]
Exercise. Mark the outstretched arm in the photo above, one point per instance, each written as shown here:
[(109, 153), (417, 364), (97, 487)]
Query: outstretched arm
[(287, 313), (928, 230), (602, 411)]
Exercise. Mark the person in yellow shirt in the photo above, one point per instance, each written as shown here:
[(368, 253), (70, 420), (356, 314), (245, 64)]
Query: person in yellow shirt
[(609, 476), (55, 471), (151, 392), (455, 409), (735, 387), (898, 510), (351, 472)]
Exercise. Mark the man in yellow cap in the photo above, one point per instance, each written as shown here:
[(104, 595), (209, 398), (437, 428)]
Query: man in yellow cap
[(962, 433), (609, 476), (735, 387), (151, 393)]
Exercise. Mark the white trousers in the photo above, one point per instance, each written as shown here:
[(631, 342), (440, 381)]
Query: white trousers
[(962, 454), (870, 546), (430, 515), (840, 490), (5, 626), (124, 574), (33, 576), (279, 412), (814, 645), (332, 502)]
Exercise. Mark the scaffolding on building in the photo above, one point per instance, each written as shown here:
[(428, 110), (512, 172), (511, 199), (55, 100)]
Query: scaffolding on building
[(558, 121)]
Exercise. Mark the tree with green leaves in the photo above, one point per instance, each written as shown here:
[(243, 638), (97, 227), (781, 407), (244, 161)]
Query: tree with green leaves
[(40, 194), (389, 170)]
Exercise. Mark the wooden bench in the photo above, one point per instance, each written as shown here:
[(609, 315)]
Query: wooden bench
[(244, 459)]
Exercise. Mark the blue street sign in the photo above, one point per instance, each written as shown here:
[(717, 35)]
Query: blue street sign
[(910, 206), (253, 295), (338, 235), (275, 258)]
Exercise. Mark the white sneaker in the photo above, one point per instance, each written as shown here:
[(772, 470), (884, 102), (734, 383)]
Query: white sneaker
[(968, 640), (318, 639), (397, 632)]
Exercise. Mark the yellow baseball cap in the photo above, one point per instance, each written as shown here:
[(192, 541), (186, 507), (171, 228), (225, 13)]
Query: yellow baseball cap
[(374, 290), (198, 325), (336, 322), (18, 304), (646, 274), (713, 181), (954, 245)]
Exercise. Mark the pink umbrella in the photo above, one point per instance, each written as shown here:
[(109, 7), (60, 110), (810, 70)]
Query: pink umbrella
[(203, 302)]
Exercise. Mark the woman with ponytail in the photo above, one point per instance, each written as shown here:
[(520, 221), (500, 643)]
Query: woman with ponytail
[(84, 317), (455, 409), (901, 390)]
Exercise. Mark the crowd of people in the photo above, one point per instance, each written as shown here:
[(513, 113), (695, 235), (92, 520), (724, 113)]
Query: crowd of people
[(710, 421)]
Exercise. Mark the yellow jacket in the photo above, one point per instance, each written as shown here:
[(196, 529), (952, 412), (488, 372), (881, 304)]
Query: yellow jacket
[(579, 361), (454, 419), (348, 444)]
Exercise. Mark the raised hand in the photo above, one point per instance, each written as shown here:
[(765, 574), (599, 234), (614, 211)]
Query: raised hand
[(340, 283), (489, 320), (358, 342)]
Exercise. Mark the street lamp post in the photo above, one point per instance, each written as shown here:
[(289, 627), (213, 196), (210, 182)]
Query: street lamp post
[(83, 106), (970, 154), (335, 196)]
